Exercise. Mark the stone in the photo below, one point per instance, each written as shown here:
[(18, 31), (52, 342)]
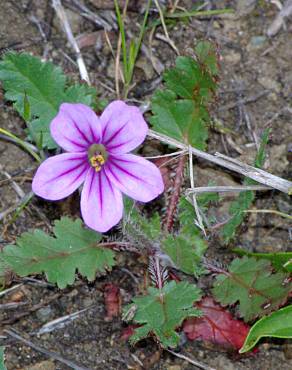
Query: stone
[(232, 57), (44, 313), (256, 42)]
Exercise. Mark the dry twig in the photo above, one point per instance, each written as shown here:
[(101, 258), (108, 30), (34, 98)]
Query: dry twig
[(279, 21), (54, 355), (248, 99), (198, 364), (9, 290), (256, 174), (167, 38), (60, 11), (225, 189), (88, 14), (60, 322), (199, 221)]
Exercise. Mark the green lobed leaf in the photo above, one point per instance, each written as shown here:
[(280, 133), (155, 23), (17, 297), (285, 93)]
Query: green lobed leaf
[(280, 260), (161, 312), (187, 248), (73, 248), (2, 364), (3, 269), (207, 55), (186, 251), (250, 282), (191, 79), (80, 94), (37, 89), (180, 111), (245, 198), (179, 118), (276, 325)]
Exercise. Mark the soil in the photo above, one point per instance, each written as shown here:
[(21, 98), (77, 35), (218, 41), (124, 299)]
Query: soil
[(254, 93)]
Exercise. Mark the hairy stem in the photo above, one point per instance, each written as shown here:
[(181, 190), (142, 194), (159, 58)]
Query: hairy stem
[(172, 207)]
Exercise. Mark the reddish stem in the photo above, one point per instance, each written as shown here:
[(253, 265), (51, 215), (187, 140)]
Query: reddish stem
[(173, 203)]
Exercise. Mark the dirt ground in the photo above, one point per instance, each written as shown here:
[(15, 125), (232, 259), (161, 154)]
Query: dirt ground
[(254, 93)]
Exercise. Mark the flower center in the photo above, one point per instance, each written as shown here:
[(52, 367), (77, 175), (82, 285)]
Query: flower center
[(97, 156)]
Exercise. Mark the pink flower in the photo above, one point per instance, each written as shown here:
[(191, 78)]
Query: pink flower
[(97, 154)]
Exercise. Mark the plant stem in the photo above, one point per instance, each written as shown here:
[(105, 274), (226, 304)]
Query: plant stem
[(172, 207), (129, 57), (285, 215), (198, 13), (22, 143)]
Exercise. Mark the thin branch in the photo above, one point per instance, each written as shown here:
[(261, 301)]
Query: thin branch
[(278, 213), (54, 355), (86, 13), (256, 174), (60, 11), (15, 186), (9, 290), (34, 308), (117, 66), (279, 21), (196, 363), (249, 99), (226, 189), (12, 305), (167, 155), (60, 322), (168, 39), (199, 221)]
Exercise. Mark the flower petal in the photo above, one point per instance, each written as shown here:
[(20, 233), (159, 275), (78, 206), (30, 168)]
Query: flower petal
[(123, 127), (135, 176), (59, 176), (101, 202), (75, 127)]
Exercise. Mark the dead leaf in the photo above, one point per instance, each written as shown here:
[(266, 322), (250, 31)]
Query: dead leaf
[(217, 326)]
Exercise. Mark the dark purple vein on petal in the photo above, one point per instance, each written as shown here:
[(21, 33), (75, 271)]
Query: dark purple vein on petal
[(114, 135), (92, 176), (127, 172), (81, 132), (100, 192), (118, 145), (66, 172), (78, 176)]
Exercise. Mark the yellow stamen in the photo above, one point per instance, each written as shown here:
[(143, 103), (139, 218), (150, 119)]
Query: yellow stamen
[(100, 159), (97, 161)]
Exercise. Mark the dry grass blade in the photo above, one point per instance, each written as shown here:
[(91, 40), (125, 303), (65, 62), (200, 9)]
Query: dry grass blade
[(256, 174), (225, 189), (196, 363)]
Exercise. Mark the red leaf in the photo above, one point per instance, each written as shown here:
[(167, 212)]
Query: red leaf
[(217, 326), (112, 301)]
